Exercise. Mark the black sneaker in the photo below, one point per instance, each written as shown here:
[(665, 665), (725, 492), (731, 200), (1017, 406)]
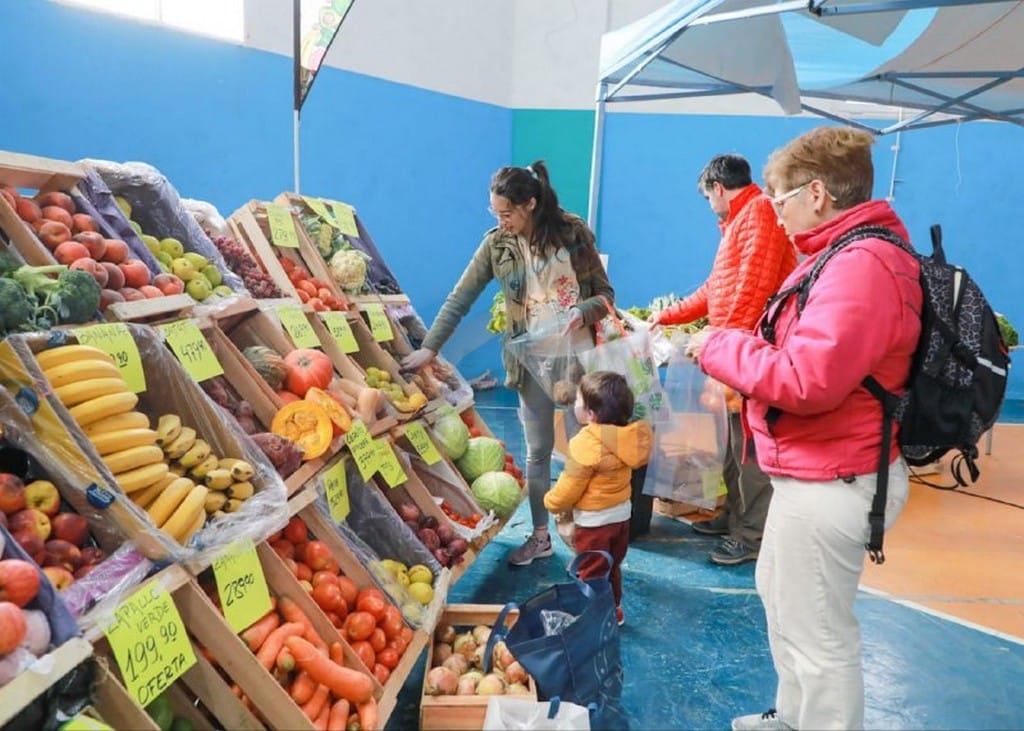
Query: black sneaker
[(731, 552), (717, 526)]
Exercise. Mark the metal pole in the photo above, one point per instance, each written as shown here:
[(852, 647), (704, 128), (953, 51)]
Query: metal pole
[(595, 158), (295, 148)]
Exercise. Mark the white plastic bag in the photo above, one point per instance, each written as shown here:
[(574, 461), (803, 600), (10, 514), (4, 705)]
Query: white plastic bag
[(506, 713)]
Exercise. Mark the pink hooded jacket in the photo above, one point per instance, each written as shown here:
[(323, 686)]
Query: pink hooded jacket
[(862, 317)]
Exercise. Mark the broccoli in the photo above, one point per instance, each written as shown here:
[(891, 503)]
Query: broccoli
[(16, 308), (8, 264), (34, 280), (73, 299)]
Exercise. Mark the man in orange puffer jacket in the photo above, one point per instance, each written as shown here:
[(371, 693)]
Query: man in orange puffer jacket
[(754, 257)]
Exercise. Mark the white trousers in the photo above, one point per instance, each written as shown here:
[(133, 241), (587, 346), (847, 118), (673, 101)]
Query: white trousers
[(808, 569)]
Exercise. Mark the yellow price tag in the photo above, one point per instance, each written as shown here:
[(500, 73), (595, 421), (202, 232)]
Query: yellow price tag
[(149, 642), (422, 443), (380, 325), (241, 585), (82, 722), (298, 327), (282, 227), (336, 491), (390, 468), (320, 209), (345, 215), (363, 449), (337, 324), (116, 340), (192, 350)]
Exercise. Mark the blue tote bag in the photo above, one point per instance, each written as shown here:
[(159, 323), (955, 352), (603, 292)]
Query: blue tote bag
[(567, 638)]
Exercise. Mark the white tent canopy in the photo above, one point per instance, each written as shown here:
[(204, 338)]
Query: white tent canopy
[(950, 60)]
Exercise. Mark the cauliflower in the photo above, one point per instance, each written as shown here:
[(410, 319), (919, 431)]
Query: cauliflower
[(348, 267)]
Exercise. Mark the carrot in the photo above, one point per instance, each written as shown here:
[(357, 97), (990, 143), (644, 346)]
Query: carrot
[(285, 662), (369, 718), (268, 651), (302, 688), (337, 653), (205, 652), (257, 632), (292, 612), (353, 686), (338, 718), (236, 690), (320, 724), (321, 697)]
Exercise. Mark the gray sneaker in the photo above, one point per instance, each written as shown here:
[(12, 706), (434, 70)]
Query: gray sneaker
[(717, 526), (533, 548), (766, 721)]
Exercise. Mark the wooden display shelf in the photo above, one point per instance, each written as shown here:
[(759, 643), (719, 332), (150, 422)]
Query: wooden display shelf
[(380, 299), (151, 311), (465, 712)]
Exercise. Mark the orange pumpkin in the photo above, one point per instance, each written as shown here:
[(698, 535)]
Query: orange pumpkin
[(305, 424), (340, 419), (307, 368)]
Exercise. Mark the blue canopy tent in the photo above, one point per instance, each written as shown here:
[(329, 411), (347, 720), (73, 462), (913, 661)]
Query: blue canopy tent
[(945, 60)]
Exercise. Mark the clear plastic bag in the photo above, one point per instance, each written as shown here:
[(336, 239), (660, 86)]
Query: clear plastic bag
[(505, 713), (631, 356), (548, 353), (691, 440), (207, 216)]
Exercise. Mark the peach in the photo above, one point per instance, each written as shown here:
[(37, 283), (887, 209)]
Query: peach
[(59, 576), (27, 209), (131, 294), (53, 233), (82, 222), (136, 273), (94, 242), (117, 251), (56, 213), (70, 527), (62, 553), (98, 272), (70, 252), (150, 291), (109, 297), (12, 493), (169, 284), (42, 495), (58, 199), (115, 277), (31, 519)]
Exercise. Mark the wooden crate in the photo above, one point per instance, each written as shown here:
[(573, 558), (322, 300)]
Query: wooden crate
[(30, 684), (453, 712), (151, 311), (371, 354)]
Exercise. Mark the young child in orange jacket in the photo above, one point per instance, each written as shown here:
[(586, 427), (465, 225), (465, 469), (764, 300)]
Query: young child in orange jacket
[(595, 484)]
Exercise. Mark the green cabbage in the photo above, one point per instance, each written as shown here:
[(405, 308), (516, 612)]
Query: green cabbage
[(497, 491), (483, 454), (453, 434)]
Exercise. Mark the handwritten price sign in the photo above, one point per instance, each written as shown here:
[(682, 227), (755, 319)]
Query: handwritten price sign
[(345, 215), (318, 207), (192, 350), (116, 340), (282, 227), (298, 327), (363, 449), (241, 585), (336, 491), (380, 325), (390, 468), (337, 324), (422, 443), (149, 642)]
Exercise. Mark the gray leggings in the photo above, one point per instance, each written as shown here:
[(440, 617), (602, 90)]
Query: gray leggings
[(537, 412)]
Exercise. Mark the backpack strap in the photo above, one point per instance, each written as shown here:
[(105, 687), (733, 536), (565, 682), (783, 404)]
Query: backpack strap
[(876, 516)]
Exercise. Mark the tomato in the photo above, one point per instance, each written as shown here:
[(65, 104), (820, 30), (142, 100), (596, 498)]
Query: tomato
[(303, 572), (296, 531), (373, 604), (378, 640), (360, 625), (381, 672), (388, 658), (307, 368), (467, 418), (325, 577), (307, 287), (370, 591), (327, 596), (392, 623), (317, 554), (284, 549), (365, 652), (349, 590), (334, 618)]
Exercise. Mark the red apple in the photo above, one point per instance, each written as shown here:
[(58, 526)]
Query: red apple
[(71, 527), (92, 555), (12, 493), (59, 576), (32, 519), (19, 581), (43, 496), (30, 542), (12, 627), (84, 570), (62, 553)]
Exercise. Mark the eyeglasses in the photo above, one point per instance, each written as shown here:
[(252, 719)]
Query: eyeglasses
[(780, 200), (501, 215)]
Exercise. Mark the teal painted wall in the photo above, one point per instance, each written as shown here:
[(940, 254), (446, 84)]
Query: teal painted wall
[(563, 139)]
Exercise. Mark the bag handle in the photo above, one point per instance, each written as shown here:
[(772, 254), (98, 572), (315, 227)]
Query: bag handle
[(499, 631), (614, 317), (574, 567)]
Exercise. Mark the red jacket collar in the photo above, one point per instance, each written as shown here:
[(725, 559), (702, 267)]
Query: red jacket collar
[(737, 204)]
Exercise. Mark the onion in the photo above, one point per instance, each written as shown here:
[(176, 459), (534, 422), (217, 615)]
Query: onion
[(442, 651), (491, 685), (458, 664), (515, 673), (446, 634), (441, 681), (409, 512), (481, 633)]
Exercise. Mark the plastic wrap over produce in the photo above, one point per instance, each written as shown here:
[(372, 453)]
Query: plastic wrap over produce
[(375, 533), (438, 481), (94, 197), (207, 216), (120, 574), (690, 439), (157, 207)]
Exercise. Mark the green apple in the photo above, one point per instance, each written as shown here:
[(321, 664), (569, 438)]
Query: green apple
[(135, 227), (198, 260), (212, 275), (172, 246), (125, 206), (223, 290), (183, 268), (198, 288), (152, 243)]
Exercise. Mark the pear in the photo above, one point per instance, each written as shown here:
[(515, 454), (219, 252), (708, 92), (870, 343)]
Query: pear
[(172, 246), (152, 243), (124, 205)]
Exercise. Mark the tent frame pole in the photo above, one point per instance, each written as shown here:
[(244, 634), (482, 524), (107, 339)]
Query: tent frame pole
[(295, 151), (596, 157)]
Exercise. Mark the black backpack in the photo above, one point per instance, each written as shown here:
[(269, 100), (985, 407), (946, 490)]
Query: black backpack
[(957, 378)]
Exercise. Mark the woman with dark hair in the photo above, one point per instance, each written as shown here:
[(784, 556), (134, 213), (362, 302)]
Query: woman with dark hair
[(546, 263)]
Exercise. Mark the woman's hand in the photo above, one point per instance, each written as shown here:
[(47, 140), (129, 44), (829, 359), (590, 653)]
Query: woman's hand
[(695, 345), (417, 359), (575, 320)]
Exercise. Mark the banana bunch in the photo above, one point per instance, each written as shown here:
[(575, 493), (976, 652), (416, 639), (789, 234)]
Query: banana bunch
[(226, 479), (89, 384), (175, 505)]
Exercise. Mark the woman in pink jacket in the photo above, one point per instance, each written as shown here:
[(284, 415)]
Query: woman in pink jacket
[(817, 430)]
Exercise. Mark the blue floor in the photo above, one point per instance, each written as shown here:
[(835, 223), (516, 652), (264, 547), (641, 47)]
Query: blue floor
[(695, 649)]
